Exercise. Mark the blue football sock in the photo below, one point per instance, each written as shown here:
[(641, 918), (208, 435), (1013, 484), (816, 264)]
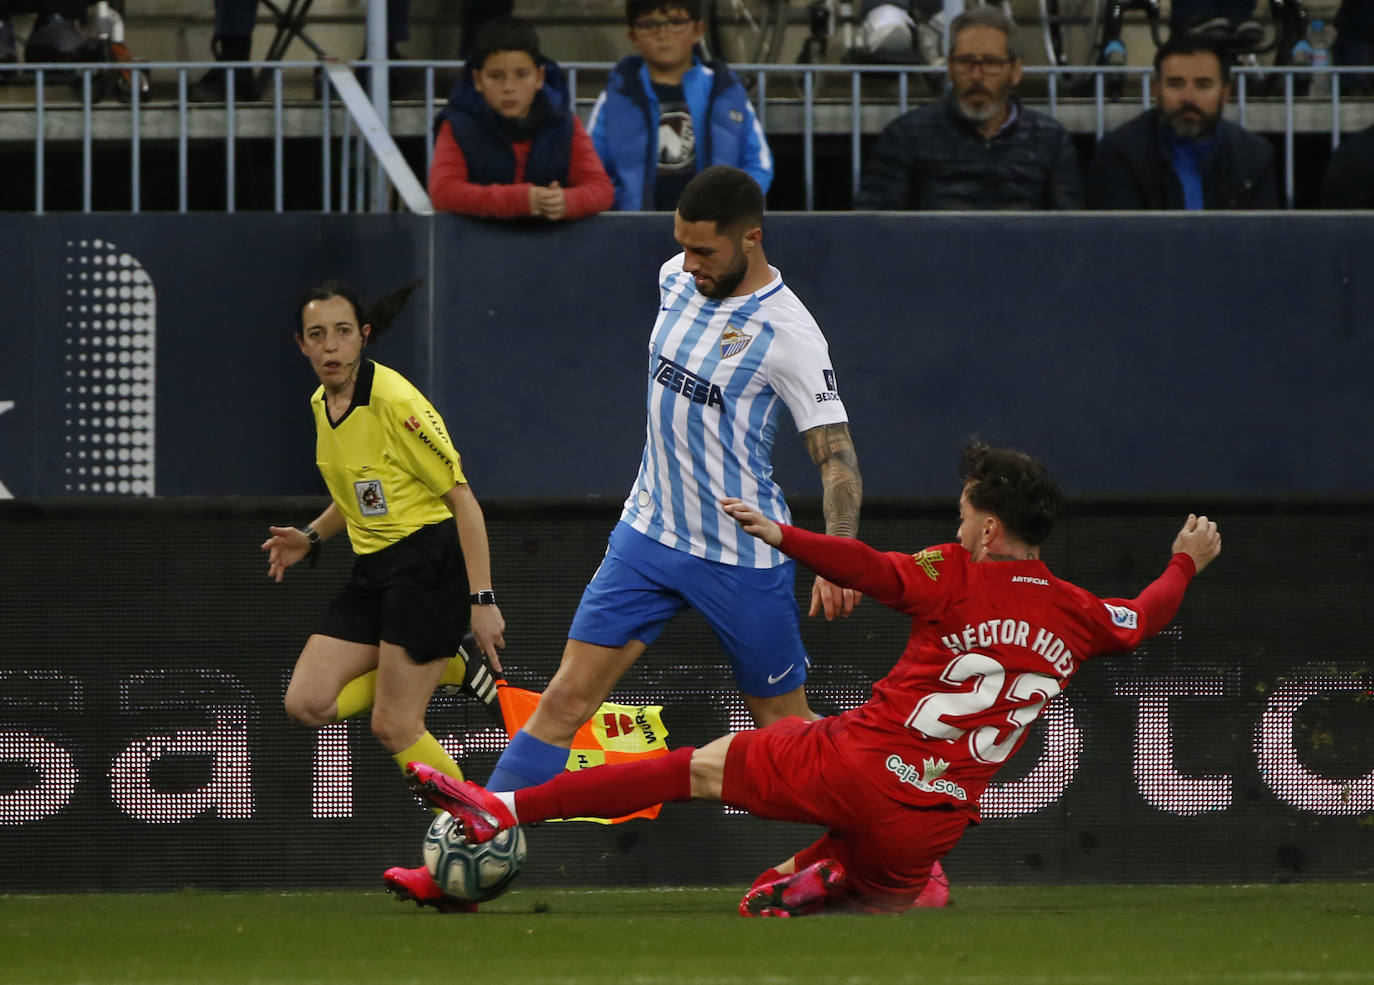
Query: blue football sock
[(527, 762)]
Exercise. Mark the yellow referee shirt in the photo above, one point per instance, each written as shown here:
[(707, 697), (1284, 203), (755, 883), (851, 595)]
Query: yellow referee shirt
[(388, 461)]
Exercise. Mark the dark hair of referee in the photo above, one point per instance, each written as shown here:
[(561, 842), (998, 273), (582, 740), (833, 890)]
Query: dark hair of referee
[(376, 318)]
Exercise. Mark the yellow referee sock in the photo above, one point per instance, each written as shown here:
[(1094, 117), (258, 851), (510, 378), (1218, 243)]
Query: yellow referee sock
[(357, 696), (456, 670), (426, 749)]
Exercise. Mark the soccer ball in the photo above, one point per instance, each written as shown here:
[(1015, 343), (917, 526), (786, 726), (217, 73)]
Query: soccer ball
[(475, 873)]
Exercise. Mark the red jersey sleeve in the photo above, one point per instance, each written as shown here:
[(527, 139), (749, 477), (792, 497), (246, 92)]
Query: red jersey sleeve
[(917, 584), (1125, 623), (588, 189), (450, 190)]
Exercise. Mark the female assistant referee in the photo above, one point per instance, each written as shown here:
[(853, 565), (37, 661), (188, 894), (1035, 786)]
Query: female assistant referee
[(423, 567)]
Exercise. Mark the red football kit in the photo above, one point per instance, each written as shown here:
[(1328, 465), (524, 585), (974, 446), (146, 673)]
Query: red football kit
[(991, 643)]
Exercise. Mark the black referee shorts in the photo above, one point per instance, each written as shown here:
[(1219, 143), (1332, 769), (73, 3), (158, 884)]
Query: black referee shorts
[(413, 593)]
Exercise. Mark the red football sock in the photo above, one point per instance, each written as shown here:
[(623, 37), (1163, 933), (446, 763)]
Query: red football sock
[(768, 876), (609, 791), (824, 847)]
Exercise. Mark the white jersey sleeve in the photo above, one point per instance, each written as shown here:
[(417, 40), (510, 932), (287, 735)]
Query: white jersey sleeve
[(799, 370)]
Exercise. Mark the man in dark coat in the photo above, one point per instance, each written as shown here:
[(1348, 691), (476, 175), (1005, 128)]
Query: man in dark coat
[(1181, 154), (977, 148), (1349, 179)]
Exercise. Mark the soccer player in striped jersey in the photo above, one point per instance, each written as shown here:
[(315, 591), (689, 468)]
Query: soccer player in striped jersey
[(423, 566), (731, 348)]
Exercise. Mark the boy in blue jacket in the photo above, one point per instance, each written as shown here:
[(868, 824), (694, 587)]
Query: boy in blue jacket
[(667, 113)]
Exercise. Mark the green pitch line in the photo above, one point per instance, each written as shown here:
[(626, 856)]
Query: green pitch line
[(1076, 935)]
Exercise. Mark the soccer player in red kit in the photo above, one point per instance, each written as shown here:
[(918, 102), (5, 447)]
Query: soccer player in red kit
[(994, 636)]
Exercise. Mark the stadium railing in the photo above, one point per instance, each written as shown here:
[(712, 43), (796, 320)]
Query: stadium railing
[(360, 163)]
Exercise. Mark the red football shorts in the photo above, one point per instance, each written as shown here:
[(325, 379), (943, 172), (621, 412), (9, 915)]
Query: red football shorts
[(792, 771)]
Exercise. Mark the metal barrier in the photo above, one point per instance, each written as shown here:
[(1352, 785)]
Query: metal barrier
[(357, 134)]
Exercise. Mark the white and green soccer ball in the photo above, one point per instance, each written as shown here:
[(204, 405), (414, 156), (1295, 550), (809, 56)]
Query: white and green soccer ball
[(475, 873)]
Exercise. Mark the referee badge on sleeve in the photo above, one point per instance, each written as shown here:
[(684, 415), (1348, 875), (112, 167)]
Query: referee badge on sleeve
[(371, 498)]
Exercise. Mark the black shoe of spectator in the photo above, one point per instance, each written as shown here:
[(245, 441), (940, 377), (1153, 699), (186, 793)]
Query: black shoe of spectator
[(403, 82), (213, 86), (54, 40)]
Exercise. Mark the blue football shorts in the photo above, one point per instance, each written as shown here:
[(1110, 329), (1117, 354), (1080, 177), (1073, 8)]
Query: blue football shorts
[(641, 584)]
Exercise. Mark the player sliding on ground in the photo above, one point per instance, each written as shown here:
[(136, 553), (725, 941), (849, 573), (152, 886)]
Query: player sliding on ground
[(994, 637)]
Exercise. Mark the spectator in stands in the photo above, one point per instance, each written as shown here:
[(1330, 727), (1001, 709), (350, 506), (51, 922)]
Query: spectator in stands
[(508, 144), (233, 42), (667, 114), (1226, 23), (978, 147), (1354, 43), (1180, 153), (55, 36), (1349, 179)]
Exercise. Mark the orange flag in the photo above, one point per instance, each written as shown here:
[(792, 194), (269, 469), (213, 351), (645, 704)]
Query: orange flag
[(615, 734)]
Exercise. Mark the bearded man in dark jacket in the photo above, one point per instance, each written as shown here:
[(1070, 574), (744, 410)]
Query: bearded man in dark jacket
[(1181, 154), (978, 147)]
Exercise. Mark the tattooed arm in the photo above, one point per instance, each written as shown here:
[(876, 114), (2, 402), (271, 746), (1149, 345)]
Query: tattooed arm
[(832, 449)]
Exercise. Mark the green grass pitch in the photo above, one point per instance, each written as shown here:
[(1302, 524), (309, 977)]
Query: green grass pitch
[(1064, 935)]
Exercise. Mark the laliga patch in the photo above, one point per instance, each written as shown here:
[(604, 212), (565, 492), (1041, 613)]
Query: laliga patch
[(371, 499), (733, 342), (1122, 616)]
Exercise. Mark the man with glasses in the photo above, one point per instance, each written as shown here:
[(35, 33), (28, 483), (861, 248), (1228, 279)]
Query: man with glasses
[(666, 113), (978, 147)]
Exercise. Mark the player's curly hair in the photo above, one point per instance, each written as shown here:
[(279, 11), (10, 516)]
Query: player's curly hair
[(379, 314), (727, 196), (1013, 487)]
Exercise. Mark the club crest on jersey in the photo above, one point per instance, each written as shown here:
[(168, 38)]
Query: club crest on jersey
[(925, 560), (371, 498), (1122, 616), (733, 342)]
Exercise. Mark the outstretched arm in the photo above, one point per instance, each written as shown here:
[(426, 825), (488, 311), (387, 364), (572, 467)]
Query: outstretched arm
[(832, 449), (846, 560), (287, 545), (1195, 547)]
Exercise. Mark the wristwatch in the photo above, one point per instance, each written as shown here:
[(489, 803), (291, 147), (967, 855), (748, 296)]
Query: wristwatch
[(485, 597), (312, 535)]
